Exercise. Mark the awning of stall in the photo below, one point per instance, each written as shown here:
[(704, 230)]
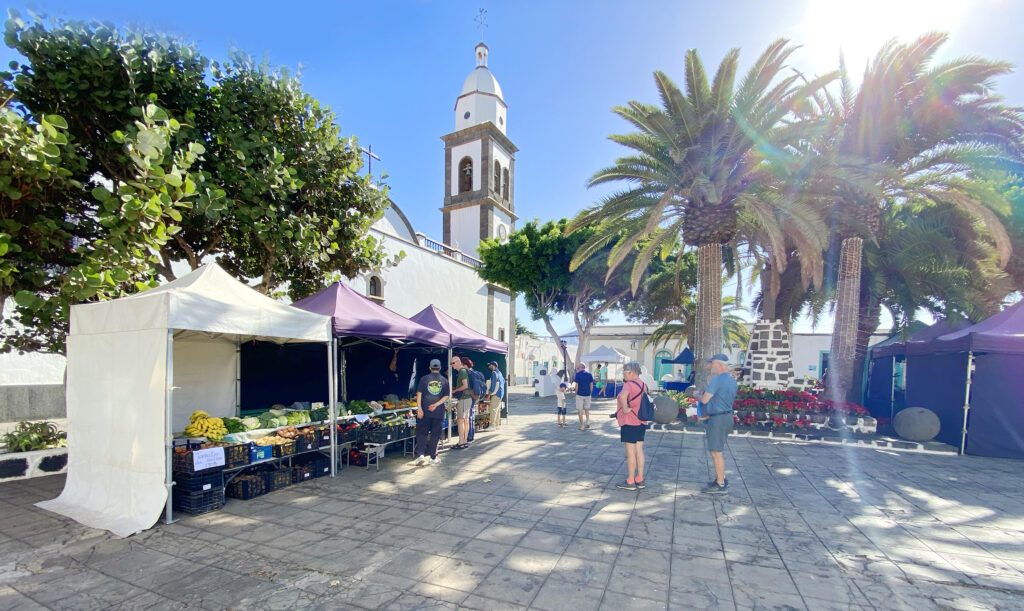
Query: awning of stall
[(683, 358), (354, 315), (119, 356), (604, 354), (462, 336)]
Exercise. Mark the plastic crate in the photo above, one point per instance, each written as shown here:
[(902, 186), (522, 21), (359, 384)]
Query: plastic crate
[(196, 503), (323, 436), (258, 453), (199, 482), (277, 479), (247, 487), (347, 435), (284, 449), (236, 455), (302, 473), (183, 463), (319, 464), (306, 442)]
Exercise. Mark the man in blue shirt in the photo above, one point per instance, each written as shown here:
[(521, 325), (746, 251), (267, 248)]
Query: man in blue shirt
[(584, 389), (495, 393), (717, 401)]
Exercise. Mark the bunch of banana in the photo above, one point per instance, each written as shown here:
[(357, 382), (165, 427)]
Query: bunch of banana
[(202, 425)]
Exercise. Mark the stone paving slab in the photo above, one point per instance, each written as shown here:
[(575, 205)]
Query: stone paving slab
[(529, 517)]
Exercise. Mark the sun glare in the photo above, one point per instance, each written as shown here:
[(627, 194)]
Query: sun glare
[(860, 28)]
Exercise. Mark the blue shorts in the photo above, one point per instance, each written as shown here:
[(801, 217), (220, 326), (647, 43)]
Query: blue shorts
[(561, 411)]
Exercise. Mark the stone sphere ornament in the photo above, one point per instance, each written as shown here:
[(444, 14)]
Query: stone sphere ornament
[(666, 409), (917, 424)]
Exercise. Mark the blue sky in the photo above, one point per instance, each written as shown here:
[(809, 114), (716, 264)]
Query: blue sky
[(391, 70)]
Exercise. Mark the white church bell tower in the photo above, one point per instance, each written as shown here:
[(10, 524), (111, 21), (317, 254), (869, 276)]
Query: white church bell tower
[(479, 162)]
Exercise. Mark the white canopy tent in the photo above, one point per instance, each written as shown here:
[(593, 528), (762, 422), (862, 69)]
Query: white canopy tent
[(604, 354), (136, 369)]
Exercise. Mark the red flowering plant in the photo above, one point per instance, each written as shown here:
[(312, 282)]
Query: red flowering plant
[(793, 402)]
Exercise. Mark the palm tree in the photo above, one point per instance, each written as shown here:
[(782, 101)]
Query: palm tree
[(912, 130), (695, 162), (734, 327)]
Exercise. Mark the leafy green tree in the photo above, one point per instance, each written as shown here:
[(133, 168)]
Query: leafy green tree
[(913, 130), (62, 241), (697, 159), (269, 186), (535, 261)]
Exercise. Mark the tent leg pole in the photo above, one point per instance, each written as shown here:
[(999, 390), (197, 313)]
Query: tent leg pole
[(450, 395), (332, 406), (168, 432), (238, 378), (967, 401), (892, 391), (341, 374)]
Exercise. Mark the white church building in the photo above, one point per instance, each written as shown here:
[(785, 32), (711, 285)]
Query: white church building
[(479, 173)]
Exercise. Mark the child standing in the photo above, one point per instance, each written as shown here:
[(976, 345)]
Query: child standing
[(560, 396)]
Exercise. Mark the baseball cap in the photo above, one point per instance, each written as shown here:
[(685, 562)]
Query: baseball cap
[(718, 357), (435, 364), (495, 363)]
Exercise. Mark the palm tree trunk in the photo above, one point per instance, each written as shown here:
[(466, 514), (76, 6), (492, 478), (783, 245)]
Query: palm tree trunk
[(844, 334), (871, 308), (768, 296), (708, 340)]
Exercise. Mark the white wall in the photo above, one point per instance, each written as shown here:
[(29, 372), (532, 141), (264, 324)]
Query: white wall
[(392, 223), (481, 108), (473, 150), (807, 349), (466, 229), (533, 354), (423, 278), (31, 367)]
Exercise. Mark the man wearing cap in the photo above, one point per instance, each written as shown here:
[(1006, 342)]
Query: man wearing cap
[(431, 395), (717, 401), (495, 393)]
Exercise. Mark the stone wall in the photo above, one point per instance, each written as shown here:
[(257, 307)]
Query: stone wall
[(769, 360), (32, 402)]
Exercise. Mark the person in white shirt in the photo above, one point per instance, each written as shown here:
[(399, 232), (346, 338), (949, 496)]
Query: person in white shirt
[(560, 398)]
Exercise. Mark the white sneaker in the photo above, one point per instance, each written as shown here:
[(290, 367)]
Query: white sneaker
[(434, 461), (419, 462)]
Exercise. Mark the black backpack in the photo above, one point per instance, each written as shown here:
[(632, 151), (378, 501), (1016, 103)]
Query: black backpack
[(645, 413)]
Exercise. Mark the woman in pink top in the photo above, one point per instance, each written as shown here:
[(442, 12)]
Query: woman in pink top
[(631, 429)]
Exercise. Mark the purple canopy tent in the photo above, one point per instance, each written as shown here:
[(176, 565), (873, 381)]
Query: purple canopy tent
[(354, 315), (358, 319), (972, 383), (881, 396), (462, 336)]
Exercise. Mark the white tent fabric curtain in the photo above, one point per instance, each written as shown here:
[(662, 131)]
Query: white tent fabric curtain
[(117, 386)]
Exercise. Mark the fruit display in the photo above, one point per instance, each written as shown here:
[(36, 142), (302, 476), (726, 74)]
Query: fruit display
[(288, 433), (202, 425), (271, 440)]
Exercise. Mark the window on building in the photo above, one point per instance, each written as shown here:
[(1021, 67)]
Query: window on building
[(465, 175), (501, 335), (497, 177), (504, 191), (375, 290)]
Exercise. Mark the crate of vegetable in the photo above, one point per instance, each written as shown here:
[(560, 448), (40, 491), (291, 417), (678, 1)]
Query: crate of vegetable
[(258, 453), (198, 482), (277, 478), (322, 434), (319, 464), (235, 454), (306, 441), (195, 503), (302, 473), (183, 460), (280, 446), (248, 486)]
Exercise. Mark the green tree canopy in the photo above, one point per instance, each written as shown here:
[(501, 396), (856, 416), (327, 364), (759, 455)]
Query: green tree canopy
[(230, 160)]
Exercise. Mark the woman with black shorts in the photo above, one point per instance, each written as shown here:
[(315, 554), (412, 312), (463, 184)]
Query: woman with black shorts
[(631, 429)]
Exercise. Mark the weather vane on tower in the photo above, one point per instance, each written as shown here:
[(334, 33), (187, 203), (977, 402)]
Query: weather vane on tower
[(481, 22)]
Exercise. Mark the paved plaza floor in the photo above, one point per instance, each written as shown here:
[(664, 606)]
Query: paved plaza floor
[(529, 517)]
